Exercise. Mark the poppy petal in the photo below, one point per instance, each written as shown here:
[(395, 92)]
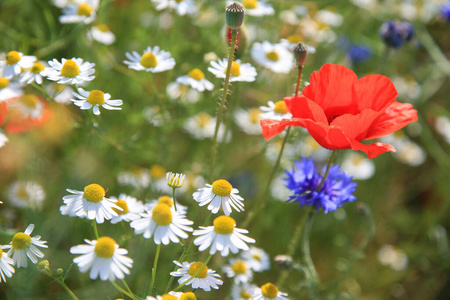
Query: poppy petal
[(302, 107), (372, 150), (355, 126), (271, 128), (374, 92)]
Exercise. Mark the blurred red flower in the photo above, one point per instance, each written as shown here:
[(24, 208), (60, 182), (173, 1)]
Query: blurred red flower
[(340, 111)]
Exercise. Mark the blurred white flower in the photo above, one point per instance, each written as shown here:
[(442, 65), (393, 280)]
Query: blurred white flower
[(182, 7), (184, 92), (442, 125), (137, 177), (276, 111), (9, 89), (257, 8), (26, 194), (82, 11), (275, 57), (14, 62), (248, 120), (393, 257), (102, 34), (358, 166), (196, 79)]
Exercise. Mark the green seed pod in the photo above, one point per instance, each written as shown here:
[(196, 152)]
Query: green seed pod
[(234, 15)]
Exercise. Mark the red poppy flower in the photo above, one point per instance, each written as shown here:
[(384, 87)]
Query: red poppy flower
[(340, 111)]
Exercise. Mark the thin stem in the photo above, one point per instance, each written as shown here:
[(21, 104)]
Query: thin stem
[(126, 285), (155, 265), (68, 290), (42, 90), (313, 276), (194, 275), (299, 80), (174, 201), (223, 101), (330, 161), (131, 295), (95, 229)]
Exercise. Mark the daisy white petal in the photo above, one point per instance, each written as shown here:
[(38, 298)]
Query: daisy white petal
[(205, 280), (273, 56), (153, 60)]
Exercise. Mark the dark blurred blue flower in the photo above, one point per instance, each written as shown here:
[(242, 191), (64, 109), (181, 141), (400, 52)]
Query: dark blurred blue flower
[(304, 180), (359, 53), (445, 11), (396, 33)]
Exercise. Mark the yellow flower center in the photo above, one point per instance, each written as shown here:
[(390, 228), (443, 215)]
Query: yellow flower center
[(157, 171), (257, 257), (273, 56), (94, 193), (280, 107), (168, 297), (203, 119), (103, 28), (196, 74), (70, 69), (105, 247), (123, 205), (4, 82), (148, 60), (195, 267), (178, 1), (357, 159), (1, 252), (165, 200), (84, 9), (37, 68), (29, 100), (235, 69), (21, 241), (222, 188), (254, 115), (239, 267), (250, 3), (224, 225), (96, 97), (294, 39), (269, 290), (188, 296), (12, 57), (161, 214), (245, 295), (22, 192)]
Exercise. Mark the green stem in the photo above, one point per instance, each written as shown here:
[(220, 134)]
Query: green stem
[(125, 283), (312, 273), (68, 290), (94, 224), (223, 101), (174, 201), (433, 50), (42, 90), (330, 161), (155, 265), (131, 295), (194, 275)]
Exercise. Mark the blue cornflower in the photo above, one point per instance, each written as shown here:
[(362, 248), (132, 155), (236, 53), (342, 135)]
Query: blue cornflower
[(396, 33), (359, 53), (304, 180), (445, 11)]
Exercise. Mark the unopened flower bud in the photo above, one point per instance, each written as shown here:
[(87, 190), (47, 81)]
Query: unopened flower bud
[(284, 262), (59, 272), (300, 52), (234, 15), (175, 180), (44, 265)]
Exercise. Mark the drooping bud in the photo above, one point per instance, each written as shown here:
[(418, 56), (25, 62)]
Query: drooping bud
[(300, 52), (284, 262), (234, 15)]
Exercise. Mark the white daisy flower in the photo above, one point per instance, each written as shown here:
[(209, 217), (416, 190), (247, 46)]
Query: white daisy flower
[(196, 79), (183, 7), (239, 270), (137, 177), (23, 246), (181, 209), (223, 237), (248, 120), (257, 8), (292, 41), (9, 89), (6, 266), (130, 209), (242, 291), (26, 194), (410, 153), (393, 257), (174, 296), (89, 203), (220, 194), (175, 180), (200, 126), (62, 93), (102, 34), (205, 280), (257, 259), (358, 166), (70, 71), (94, 99), (239, 72), (153, 60), (63, 3), (273, 56), (14, 62), (329, 17), (176, 90), (442, 124), (3, 139), (158, 179), (268, 292), (104, 257), (34, 74), (28, 105), (164, 224), (82, 11), (276, 111)]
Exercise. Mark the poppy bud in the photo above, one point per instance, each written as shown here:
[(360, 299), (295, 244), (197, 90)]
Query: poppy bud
[(234, 15), (300, 52)]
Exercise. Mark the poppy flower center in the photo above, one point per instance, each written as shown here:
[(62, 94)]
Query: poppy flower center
[(269, 290), (105, 247), (239, 267), (280, 107), (168, 297), (273, 56), (21, 241), (123, 205), (165, 200), (235, 69), (4, 82), (96, 97), (149, 60), (70, 69), (222, 188), (224, 225), (294, 39), (12, 57), (250, 4), (203, 119), (245, 295), (84, 9), (103, 28), (37, 68), (195, 267), (94, 193), (188, 296), (197, 74), (29, 100), (254, 115), (161, 214), (157, 171)]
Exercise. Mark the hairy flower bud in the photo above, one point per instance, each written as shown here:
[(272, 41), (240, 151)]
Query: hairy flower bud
[(300, 52)]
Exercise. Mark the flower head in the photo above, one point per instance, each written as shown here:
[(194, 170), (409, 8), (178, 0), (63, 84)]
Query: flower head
[(6, 266), (175, 180), (130, 209), (26, 194), (359, 53), (9, 89), (81, 11), (94, 99), (34, 74), (257, 259), (205, 280), (182, 7), (239, 71), (397, 33), (275, 110), (14, 62), (70, 71), (340, 111), (240, 270), (258, 8), (104, 257), (153, 60), (248, 120), (268, 292), (102, 34), (275, 57), (196, 79)]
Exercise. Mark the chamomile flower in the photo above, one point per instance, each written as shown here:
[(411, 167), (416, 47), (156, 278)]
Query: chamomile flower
[(14, 62), (181, 209), (176, 90), (183, 7), (240, 270), (136, 177), (205, 280), (155, 116), (257, 259), (239, 71), (34, 74), (94, 99), (3, 139), (70, 71), (223, 237), (220, 194), (257, 8), (89, 203), (174, 296), (163, 223), (6, 266), (130, 209), (275, 110), (23, 246), (268, 292), (81, 11), (273, 56), (28, 106), (175, 180), (196, 79), (248, 120), (26, 194), (9, 89), (393, 257), (104, 257), (358, 166), (242, 291), (200, 126), (153, 60), (102, 34)]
